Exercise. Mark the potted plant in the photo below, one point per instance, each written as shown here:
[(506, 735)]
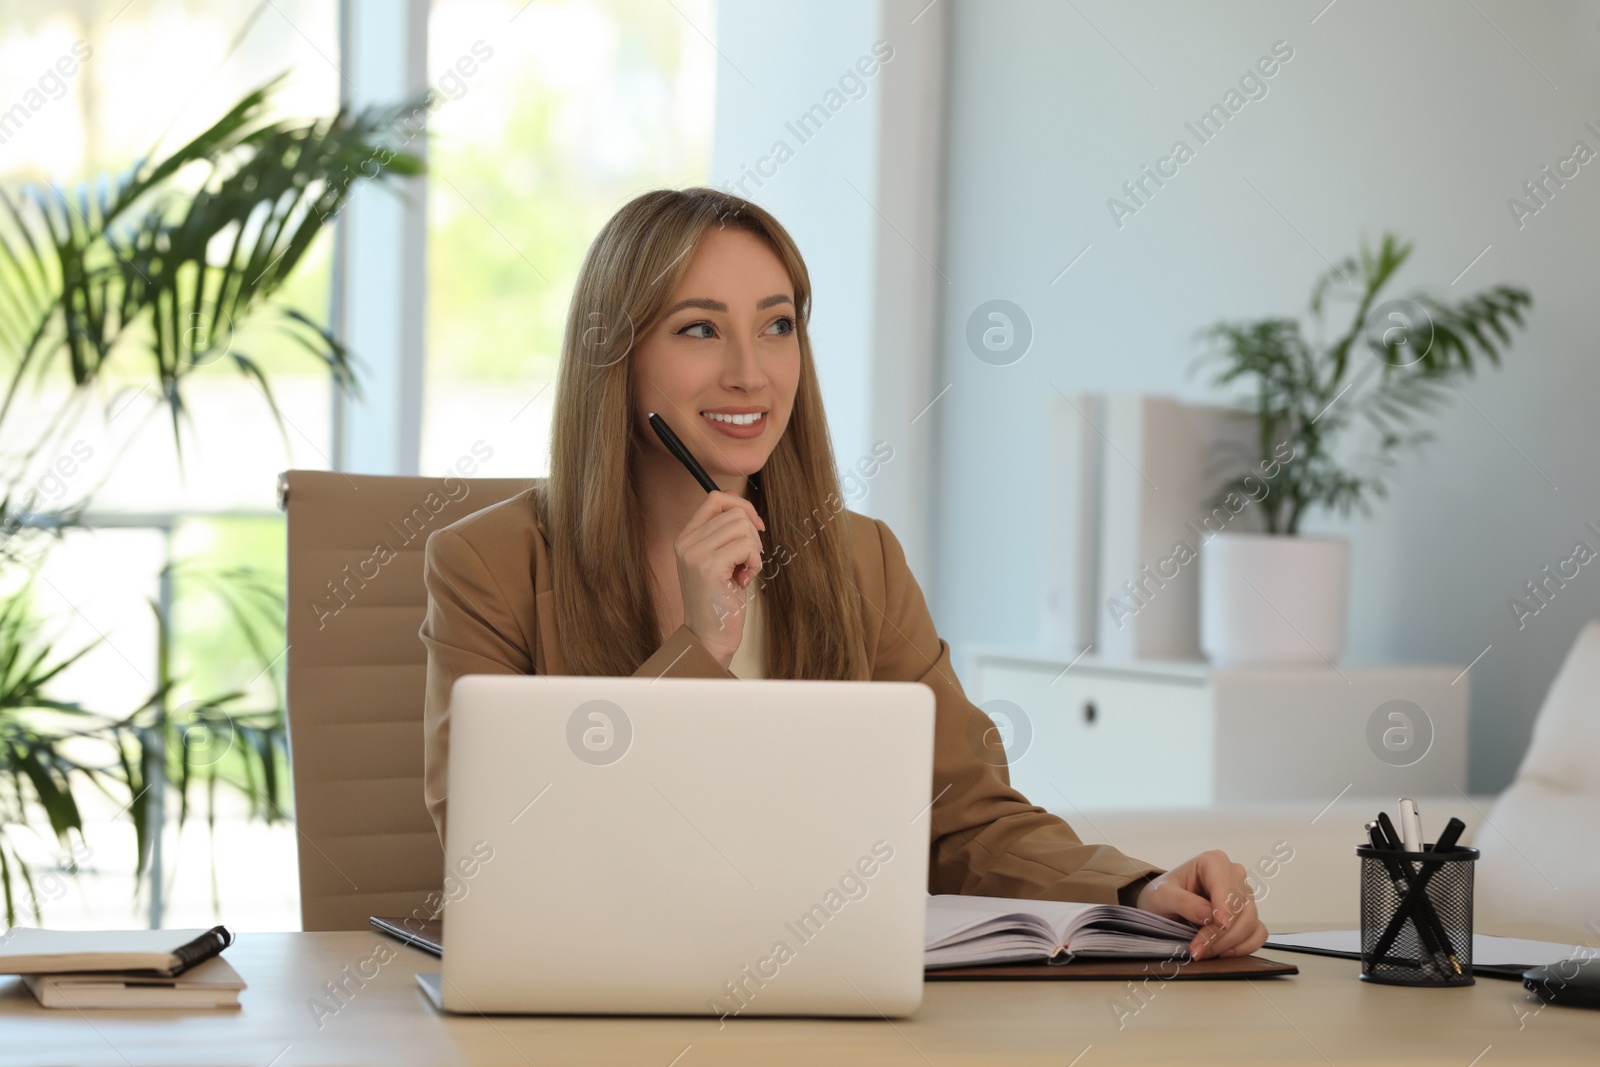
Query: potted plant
[(142, 279), (1278, 596)]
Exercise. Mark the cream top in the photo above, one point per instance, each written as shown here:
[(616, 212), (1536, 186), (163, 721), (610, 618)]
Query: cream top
[(750, 660)]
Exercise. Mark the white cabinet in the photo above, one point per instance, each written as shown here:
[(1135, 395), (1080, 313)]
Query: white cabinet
[(1154, 735)]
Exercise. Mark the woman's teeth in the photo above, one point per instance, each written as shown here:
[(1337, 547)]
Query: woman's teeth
[(737, 420)]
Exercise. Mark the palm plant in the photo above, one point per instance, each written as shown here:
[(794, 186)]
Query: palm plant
[(154, 273), (1309, 395)]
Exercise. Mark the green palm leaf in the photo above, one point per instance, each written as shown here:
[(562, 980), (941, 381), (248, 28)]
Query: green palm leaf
[(1312, 395), (158, 269)]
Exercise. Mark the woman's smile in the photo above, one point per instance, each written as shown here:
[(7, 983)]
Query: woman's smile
[(740, 422)]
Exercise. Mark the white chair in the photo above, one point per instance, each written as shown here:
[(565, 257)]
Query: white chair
[(1541, 841)]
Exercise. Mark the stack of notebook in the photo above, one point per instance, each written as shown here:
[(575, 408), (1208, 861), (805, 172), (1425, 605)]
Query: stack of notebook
[(123, 968)]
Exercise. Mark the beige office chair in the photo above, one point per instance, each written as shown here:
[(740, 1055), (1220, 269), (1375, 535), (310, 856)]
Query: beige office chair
[(367, 844)]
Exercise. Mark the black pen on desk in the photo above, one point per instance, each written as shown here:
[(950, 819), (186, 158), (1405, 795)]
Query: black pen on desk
[(1391, 837), (1447, 842), (1380, 841), (677, 448), (1452, 833), (1412, 888)]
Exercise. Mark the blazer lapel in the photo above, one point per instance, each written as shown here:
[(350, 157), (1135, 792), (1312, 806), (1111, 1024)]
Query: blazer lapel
[(547, 658)]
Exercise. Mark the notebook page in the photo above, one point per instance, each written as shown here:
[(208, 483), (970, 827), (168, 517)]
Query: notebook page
[(952, 917)]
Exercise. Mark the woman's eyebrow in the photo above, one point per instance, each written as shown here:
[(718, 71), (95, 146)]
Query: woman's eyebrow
[(717, 305)]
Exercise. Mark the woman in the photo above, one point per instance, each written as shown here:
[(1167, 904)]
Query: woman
[(693, 304)]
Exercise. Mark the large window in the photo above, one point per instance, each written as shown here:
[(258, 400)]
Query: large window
[(180, 539), (572, 107), (556, 112)]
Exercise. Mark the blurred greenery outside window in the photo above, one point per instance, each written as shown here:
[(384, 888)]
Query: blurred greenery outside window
[(100, 84), (571, 110)]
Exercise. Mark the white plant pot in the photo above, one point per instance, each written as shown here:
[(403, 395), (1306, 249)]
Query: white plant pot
[(1267, 598)]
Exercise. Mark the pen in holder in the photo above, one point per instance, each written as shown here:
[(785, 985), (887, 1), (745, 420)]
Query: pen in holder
[(1416, 916)]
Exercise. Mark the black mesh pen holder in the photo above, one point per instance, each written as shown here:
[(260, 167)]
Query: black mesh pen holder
[(1416, 916)]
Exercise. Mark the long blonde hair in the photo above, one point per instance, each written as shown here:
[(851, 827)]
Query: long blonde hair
[(590, 505)]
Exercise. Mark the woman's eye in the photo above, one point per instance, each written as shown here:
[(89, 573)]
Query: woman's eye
[(698, 326), (787, 323)]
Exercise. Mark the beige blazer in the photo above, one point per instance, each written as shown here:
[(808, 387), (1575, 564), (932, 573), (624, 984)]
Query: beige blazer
[(490, 611)]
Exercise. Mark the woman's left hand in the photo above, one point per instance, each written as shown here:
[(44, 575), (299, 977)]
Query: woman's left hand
[(1212, 892)]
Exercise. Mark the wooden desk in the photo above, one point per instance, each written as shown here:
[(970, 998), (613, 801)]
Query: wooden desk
[(1324, 1015)]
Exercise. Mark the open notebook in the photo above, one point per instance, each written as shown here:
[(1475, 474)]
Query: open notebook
[(965, 931)]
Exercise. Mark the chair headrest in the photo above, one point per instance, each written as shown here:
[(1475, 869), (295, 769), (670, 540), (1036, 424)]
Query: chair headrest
[(1565, 750)]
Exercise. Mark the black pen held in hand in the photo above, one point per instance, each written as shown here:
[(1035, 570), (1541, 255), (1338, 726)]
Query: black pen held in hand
[(676, 447), (679, 449)]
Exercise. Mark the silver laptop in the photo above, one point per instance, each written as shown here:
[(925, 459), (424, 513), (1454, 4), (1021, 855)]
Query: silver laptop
[(686, 846)]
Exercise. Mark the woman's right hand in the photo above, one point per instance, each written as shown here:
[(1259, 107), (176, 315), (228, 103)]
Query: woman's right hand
[(719, 555)]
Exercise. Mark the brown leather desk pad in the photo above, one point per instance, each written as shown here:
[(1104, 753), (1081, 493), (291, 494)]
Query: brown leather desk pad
[(428, 934), (1163, 969)]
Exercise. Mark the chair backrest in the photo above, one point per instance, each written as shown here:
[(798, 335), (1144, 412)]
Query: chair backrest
[(356, 668), (1540, 840), (1565, 747)]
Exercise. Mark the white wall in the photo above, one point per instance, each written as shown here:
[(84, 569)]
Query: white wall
[(858, 191), (778, 61), (1420, 118)]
